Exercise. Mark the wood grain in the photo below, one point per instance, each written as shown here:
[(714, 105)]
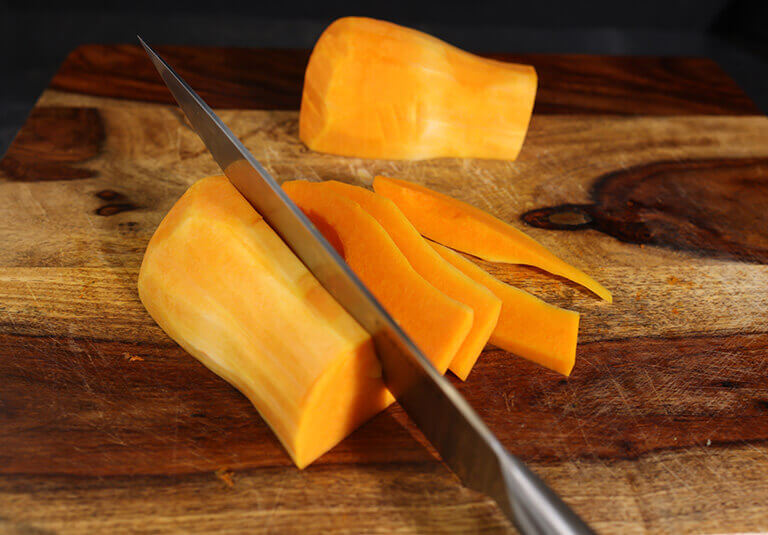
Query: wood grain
[(661, 204), (107, 426), (52, 142), (272, 79), (117, 408)]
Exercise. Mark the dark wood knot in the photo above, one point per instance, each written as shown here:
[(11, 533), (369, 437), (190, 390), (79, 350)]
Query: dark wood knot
[(114, 208), (707, 207)]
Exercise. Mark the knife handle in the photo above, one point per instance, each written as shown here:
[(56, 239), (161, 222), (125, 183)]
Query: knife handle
[(535, 508)]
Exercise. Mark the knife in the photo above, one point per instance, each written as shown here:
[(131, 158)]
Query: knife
[(464, 442)]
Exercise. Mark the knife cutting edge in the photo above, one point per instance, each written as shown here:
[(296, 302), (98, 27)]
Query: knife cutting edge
[(464, 442)]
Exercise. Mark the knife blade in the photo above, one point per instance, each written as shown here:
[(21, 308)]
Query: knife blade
[(461, 438)]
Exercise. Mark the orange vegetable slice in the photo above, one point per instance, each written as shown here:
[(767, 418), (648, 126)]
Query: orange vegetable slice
[(373, 89), (463, 227), (435, 322), (527, 326), (227, 289), (430, 265)]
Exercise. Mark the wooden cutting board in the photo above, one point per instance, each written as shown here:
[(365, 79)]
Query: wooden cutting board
[(651, 174)]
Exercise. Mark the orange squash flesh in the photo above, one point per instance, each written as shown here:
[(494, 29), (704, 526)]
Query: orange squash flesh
[(435, 322), (463, 227), (430, 265), (373, 89), (527, 326), (222, 284)]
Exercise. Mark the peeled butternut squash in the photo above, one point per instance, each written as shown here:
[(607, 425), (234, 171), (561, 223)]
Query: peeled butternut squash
[(373, 89), (224, 286), (527, 326), (437, 324), (430, 265), (463, 227)]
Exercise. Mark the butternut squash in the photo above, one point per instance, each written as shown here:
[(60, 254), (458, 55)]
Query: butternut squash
[(527, 326), (437, 324), (430, 265), (373, 89), (224, 286), (463, 227)]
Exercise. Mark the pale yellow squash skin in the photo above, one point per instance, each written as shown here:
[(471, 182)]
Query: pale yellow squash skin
[(224, 286), (373, 89)]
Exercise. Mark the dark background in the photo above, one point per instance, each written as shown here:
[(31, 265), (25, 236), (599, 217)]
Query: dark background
[(36, 35)]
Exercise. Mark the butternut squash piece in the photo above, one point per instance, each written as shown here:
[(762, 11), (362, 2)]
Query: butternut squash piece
[(463, 227), (527, 326), (430, 265), (437, 324), (224, 286), (373, 89)]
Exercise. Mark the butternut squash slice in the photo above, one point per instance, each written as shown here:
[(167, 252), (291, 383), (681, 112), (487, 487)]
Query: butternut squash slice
[(373, 89), (437, 324), (430, 265), (463, 227), (224, 286), (527, 327)]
